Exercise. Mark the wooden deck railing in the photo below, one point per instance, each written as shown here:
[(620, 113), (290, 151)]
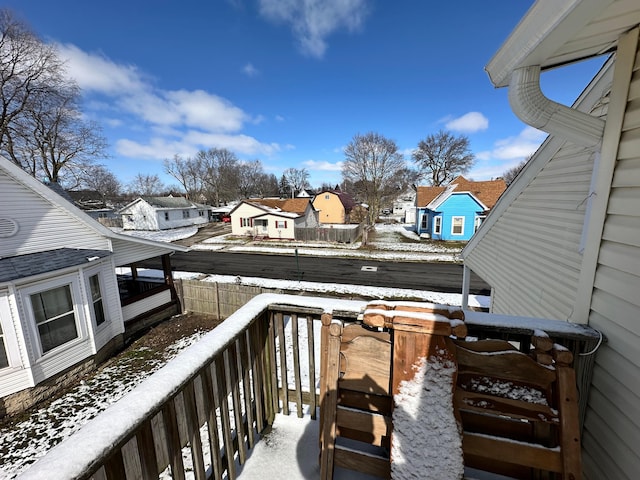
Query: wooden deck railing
[(210, 403)]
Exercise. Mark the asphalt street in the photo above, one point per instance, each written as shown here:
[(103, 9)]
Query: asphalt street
[(439, 277)]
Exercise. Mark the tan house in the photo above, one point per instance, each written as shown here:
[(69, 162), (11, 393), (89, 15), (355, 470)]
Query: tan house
[(563, 242), (334, 206), (273, 217)]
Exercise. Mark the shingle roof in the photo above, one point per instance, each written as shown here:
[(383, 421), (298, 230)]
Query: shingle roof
[(169, 202), (292, 205), (424, 195), (488, 192), (22, 266)]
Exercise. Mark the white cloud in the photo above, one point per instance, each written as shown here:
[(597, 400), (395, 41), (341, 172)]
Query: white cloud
[(175, 121), (95, 72), (312, 20), (249, 70), (469, 123), (279, 118), (515, 148), (323, 165)]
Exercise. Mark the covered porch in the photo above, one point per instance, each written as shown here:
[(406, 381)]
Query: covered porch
[(240, 392)]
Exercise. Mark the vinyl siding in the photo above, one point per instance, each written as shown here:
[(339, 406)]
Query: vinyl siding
[(331, 209), (612, 424), (126, 253), (131, 311), (41, 225), (539, 232), (244, 210)]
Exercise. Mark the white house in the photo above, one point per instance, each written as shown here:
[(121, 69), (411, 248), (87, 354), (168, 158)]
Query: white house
[(273, 218), (404, 207), (62, 305), (563, 242), (162, 213)]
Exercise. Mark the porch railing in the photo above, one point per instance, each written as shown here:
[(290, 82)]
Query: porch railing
[(205, 410)]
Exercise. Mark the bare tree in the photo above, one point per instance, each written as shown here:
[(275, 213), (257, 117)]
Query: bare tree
[(510, 174), (372, 164), (297, 179), (250, 175), (56, 140), (220, 174), (102, 180), (41, 128), (145, 184), (442, 157), (189, 172)]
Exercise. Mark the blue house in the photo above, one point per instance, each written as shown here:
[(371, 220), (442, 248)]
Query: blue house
[(456, 211)]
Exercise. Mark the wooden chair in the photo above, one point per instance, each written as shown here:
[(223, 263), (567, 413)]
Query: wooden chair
[(519, 417), (355, 408), (362, 367)]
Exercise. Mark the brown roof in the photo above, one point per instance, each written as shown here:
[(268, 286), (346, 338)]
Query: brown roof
[(424, 195), (488, 192), (292, 205)]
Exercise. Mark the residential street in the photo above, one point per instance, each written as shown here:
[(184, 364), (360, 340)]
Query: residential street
[(438, 277)]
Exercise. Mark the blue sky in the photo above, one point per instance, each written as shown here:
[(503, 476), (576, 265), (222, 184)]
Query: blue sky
[(290, 82)]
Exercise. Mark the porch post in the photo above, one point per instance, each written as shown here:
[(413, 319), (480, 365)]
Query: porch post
[(168, 278), (466, 279)]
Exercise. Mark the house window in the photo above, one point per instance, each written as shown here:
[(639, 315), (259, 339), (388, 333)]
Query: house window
[(327, 197), (55, 317), (166, 216), (185, 213), (437, 225), (457, 225), (96, 299), (245, 222), (281, 224), (4, 359), (201, 213), (423, 223), (130, 218)]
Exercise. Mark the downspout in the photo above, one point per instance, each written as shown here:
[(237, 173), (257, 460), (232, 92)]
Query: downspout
[(533, 108)]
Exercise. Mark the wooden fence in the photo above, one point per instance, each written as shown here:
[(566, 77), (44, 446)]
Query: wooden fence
[(223, 299), (349, 234)]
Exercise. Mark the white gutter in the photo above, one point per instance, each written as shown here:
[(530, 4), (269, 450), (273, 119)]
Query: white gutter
[(533, 108)]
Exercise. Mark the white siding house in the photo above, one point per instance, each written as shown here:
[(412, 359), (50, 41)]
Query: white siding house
[(162, 213), (563, 242), (60, 300), (273, 218)]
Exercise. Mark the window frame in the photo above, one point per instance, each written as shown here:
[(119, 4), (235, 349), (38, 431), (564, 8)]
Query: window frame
[(437, 225), (424, 221), (166, 216), (79, 317), (10, 337), (453, 225), (186, 214), (92, 301), (281, 224)]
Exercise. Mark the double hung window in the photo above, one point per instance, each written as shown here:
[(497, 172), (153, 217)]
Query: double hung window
[(54, 316)]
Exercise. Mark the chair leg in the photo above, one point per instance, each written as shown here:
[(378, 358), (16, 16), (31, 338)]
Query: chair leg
[(330, 402)]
